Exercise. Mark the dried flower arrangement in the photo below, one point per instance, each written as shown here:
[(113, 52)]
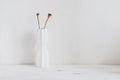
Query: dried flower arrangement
[(49, 15), (42, 56)]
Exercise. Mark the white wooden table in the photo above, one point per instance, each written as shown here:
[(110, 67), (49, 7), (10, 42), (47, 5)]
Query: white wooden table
[(68, 72)]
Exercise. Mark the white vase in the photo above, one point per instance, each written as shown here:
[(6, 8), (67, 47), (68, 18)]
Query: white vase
[(42, 56)]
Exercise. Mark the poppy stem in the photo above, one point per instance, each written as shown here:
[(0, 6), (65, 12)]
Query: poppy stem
[(49, 15), (37, 14)]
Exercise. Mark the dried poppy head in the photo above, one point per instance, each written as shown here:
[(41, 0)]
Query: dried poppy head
[(37, 14), (49, 15)]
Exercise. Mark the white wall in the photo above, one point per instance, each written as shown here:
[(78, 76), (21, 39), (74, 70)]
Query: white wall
[(80, 31), (99, 32), (18, 25)]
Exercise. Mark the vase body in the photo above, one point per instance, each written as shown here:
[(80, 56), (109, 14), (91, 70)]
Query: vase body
[(42, 56)]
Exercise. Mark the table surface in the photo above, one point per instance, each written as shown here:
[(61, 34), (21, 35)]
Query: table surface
[(66, 72)]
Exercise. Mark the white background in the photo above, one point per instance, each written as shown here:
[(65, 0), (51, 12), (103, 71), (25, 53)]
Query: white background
[(80, 31)]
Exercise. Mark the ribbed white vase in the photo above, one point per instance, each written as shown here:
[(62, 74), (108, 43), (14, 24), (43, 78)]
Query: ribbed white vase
[(42, 56)]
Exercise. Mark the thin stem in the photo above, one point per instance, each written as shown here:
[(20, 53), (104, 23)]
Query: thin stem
[(46, 23)]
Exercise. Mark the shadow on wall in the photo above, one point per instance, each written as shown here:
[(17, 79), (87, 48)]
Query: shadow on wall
[(28, 46), (16, 47)]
